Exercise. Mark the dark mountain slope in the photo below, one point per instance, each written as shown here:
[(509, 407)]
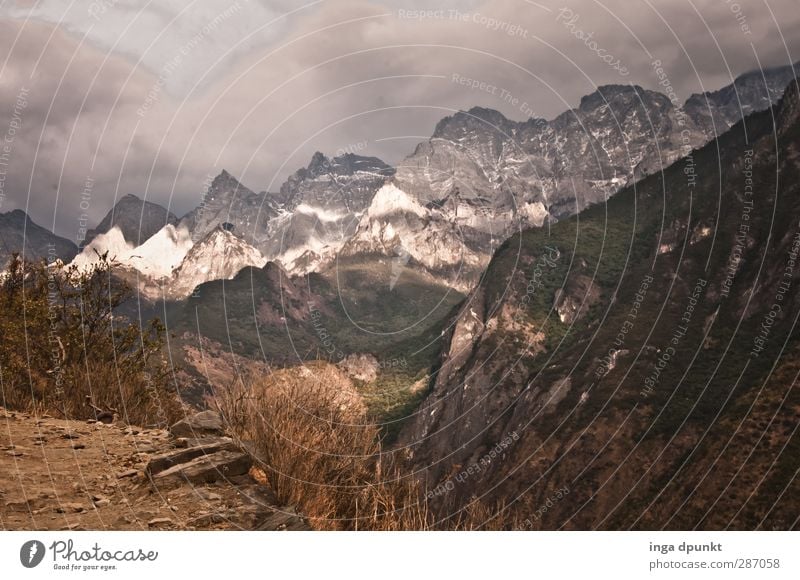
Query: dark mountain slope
[(621, 348), (20, 235), (136, 218)]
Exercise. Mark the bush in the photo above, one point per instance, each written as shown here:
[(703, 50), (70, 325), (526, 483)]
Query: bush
[(307, 432), (65, 350), (306, 429)]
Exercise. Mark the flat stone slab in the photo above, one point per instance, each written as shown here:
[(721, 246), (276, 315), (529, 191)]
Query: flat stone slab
[(166, 461), (208, 468)]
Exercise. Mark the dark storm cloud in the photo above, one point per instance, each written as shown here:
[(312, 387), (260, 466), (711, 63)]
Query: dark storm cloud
[(369, 77)]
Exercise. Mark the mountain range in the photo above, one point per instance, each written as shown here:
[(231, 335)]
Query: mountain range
[(596, 303), (446, 208)]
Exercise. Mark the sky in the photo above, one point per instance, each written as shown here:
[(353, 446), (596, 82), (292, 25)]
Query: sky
[(103, 98)]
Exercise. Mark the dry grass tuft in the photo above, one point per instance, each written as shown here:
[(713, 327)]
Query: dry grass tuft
[(314, 447)]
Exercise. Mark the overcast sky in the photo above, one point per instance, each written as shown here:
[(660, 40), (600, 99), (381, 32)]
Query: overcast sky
[(152, 98)]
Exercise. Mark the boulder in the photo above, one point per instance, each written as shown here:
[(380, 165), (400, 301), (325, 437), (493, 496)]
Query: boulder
[(209, 468), (198, 425)]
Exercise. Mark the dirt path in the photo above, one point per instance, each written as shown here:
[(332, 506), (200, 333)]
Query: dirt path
[(73, 475)]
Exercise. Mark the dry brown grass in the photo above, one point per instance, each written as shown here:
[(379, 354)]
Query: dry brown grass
[(306, 428), (308, 432)]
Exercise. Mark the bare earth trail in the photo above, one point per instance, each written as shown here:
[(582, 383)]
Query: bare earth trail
[(77, 475)]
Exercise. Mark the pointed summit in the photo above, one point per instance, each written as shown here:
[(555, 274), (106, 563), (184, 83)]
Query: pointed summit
[(226, 201), (225, 182), (477, 119), (620, 95), (345, 183), (137, 219), (318, 161)]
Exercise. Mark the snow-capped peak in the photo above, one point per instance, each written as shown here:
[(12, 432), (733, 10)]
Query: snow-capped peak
[(219, 256), (111, 242), (163, 252), (157, 257), (390, 200)]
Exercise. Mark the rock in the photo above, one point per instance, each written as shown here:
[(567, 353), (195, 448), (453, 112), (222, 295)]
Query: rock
[(155, 522), (167, 460), (208, 495), (14, 453), (79, 446), (208, 468), (204, 520), (18, 506), (362, 367), (69, 436), (205, 423), (284, 520), (128, 473), (70, 508)]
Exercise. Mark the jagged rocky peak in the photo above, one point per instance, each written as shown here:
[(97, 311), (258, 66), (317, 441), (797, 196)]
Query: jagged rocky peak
[(345, 183), (136, 218), (225, 183), (716, 111), (479, 119), (16, 217), (347, 164), (226, 200), (350, 163), (622, 95)]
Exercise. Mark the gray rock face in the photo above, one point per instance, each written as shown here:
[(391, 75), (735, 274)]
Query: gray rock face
[(316, 210), (481, 177), (226, 201), (755, 91), (198, 425), (347, 183), (20, 235), (322, 204), (481, 159), (136, 218)]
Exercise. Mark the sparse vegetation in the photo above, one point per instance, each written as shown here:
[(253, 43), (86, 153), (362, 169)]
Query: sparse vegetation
[(66, 351)]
